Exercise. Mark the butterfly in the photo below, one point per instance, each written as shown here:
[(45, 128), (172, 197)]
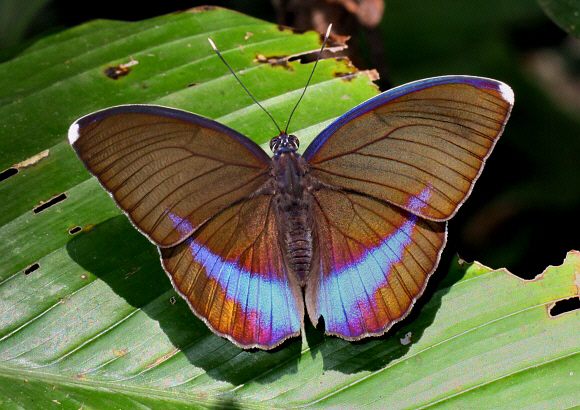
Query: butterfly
[(349, 231)]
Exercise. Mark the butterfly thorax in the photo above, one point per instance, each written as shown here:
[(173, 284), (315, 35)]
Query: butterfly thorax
[(293, 211)]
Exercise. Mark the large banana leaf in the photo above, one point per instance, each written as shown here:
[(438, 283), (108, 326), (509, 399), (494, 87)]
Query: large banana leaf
[(88, 318)]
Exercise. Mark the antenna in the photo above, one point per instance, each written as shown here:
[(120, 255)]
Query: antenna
[(309, 78), (242, 84), (256, 101)]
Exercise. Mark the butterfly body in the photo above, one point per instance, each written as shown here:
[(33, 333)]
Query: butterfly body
[(349, 231), (293, 198)]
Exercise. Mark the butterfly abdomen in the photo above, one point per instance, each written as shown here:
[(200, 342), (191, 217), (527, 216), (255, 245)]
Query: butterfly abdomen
[(294, 215), (296, 227)]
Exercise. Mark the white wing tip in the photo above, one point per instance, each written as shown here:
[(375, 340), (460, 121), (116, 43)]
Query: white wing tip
[(73, 133), (507, 93)]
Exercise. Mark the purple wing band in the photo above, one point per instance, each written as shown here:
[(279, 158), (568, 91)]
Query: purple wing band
[(342, 300), (397, 92), (267, 304)]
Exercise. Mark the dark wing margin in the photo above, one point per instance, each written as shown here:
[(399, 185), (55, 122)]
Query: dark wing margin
[(434, 133), (169, 170)]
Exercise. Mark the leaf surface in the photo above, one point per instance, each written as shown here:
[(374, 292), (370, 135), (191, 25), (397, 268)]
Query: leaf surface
[(97, 323)]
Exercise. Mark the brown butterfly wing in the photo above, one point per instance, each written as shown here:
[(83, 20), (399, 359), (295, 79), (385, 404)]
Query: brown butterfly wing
[(399, 164), (376, 261), (169, 170), (232, 274), (434, 133)]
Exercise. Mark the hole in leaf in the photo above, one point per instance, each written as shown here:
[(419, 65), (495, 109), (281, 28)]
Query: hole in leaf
[(309, 57), (31, 268), (52, 201), (115, 72), (345, 76), (565, 306), (74, 230), (273, 60), (10, 172)]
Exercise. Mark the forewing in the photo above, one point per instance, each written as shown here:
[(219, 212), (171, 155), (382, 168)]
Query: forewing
[(434, 133), (158, 161), (232, 274), (377, 260)]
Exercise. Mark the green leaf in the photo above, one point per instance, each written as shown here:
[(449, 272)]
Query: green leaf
[(97, 323), (565, 13)]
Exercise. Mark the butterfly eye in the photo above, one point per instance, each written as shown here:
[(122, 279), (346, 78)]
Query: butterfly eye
[(293, 141), (274, 143)]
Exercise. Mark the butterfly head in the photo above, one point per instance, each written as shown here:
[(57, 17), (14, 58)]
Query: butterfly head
[(284, 143)]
